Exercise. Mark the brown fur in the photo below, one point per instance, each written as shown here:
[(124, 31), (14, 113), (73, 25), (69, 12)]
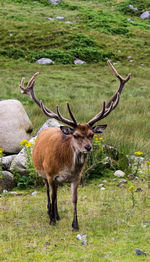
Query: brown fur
[(48, 152)]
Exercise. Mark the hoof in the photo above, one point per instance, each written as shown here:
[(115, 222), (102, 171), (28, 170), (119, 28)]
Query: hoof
[(52, 223), (58, 218), (75, 229)]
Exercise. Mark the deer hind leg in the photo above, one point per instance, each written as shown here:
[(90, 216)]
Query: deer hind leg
[(53, 215), (48, 197), (74, 187)]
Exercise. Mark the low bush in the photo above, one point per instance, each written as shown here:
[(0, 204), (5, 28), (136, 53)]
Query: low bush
[(141, 5)]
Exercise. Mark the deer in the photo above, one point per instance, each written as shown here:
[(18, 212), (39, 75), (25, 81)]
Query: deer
[(59, 154)]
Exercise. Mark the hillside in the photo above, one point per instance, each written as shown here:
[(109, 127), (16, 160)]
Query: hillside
[(93, 31)]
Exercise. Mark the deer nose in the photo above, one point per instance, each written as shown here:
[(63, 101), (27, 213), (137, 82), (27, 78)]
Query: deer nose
[(88, 147)]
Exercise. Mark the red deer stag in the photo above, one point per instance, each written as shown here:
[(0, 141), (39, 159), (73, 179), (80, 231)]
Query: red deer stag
[(59, 154)]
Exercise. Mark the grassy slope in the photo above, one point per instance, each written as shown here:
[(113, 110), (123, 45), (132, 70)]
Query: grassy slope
[(113, 227), (27, 34)]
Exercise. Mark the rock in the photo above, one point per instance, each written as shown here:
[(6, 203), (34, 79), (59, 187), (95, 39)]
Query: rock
[(79, 62), (131, 176), (130, 20), (123, 181), (19, 162), (44, 61), (68, 22), (15, 126), (119, 173), (54, 2), (81, 236), (145, 15), (133, 8), (60, 18), (5, 191), (139, 189), (139, 252), (6, 162), (50, 18), (49, 123), (101, 185), (6, 181), (34, 193)]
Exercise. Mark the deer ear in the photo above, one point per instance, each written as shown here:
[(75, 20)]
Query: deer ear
[(99, 129), (66, 130)]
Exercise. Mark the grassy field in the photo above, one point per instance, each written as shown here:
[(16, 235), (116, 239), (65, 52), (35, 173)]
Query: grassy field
[(99, 30), (113, 227), (27, 34)]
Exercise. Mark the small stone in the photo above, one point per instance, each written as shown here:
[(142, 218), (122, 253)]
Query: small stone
[(119, 173), (54, 2), (101, 185), (139, 252), (133, 8), (60, 18), (130, 20), (50, 18), (5, 191), (123, 181), (84, 243), (34, 193), (139, 189), (44, 61), (145, 15), (68, 22), (79, 62), (81, 236)]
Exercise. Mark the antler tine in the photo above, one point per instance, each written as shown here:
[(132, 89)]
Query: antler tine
[(29, 90), (64, 120), (98, 116), (71, 114), (113, 102), (122, 83)]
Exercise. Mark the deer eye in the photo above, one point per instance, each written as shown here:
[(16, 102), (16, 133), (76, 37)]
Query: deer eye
[(90, 136), (77, 136)]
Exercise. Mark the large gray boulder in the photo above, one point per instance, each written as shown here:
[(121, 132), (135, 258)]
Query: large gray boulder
[(14, 127), (6, 181), (19, 162)]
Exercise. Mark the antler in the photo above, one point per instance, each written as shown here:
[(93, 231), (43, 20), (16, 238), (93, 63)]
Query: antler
[(29, 90), (113, 102)]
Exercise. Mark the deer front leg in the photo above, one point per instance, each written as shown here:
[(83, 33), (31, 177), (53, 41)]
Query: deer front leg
[(53, 210), (74, 187)]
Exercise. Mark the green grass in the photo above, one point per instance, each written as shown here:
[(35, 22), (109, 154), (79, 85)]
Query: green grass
[(114, 229), (99, 31)]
